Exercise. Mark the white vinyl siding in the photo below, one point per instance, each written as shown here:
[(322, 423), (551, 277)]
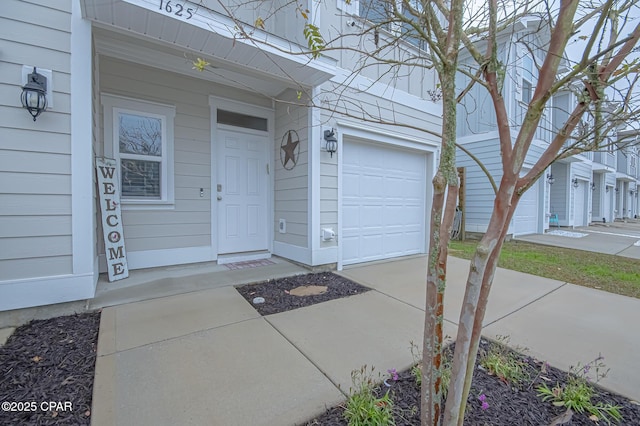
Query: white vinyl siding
[(35, 157), (479, 194), (291, 186), (188, 222)]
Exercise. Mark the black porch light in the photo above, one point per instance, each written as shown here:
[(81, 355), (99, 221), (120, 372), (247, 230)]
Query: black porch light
[(575, 182), (331, 141), (550, 179), (34, 94)]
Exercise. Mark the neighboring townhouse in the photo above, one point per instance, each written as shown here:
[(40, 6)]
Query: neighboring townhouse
[(219, 165), (574, 191), (477, 133), (627, 175)]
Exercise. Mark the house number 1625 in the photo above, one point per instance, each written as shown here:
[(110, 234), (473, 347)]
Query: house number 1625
[(176, 8)]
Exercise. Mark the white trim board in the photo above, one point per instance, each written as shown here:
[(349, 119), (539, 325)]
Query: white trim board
[(83, 230), (168, 257), (291, 252), (26, 293)]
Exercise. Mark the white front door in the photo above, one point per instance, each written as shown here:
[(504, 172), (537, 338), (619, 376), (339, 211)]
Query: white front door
[(579, 208), (242, 191)]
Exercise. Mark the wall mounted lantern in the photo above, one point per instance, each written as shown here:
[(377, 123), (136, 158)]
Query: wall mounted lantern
[(34, 94), (606, 189), (575, 182), (593, 186), (331, 142), (550, 179), (617, 189)]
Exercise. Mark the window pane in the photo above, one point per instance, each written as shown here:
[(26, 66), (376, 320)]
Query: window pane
[(242, 120), (374, 11), (140, 135), (140, 179), (526, 91)]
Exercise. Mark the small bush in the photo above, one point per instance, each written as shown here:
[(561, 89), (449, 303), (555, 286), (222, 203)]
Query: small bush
[(577, 393), (363, 407), (503, 363)]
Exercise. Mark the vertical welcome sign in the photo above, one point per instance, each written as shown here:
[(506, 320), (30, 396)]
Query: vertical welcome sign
[(106, 169)]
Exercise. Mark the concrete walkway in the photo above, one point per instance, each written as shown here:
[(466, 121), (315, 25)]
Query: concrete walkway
[(207, 357), (617, 238)]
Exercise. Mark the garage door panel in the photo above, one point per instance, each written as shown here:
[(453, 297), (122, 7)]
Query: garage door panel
[(383, 202), (525, 219)]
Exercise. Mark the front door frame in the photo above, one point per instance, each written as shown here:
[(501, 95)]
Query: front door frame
[(216, 103)]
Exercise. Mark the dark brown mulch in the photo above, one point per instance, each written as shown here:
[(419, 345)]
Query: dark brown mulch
[(278, 300), (508, 405), (47, 369)]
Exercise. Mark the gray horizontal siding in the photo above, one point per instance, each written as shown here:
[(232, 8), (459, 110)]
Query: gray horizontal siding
[(188, 224), (291, 201), (479, 194), (35, 158)]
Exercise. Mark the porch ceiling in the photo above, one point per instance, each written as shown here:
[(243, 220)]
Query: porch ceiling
[(241, 62), (601, 168), (624, 177)]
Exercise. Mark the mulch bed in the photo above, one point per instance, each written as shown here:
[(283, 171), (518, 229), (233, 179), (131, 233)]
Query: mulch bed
[(47, 369), (277, 297), (508, 405)]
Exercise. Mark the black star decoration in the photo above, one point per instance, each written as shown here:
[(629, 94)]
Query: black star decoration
[(289, 150)]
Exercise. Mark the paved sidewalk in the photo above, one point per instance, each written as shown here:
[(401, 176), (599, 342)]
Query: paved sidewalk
[(617, 238), (207, 357)]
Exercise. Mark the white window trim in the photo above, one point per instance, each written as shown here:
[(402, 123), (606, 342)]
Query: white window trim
[(112, 105), (531, 80)]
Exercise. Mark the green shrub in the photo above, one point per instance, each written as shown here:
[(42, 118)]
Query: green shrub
[(363, 407)]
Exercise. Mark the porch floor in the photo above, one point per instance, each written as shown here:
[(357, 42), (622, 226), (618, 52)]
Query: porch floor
[(153, 283)]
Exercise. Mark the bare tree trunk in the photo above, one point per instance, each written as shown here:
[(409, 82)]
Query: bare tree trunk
[(445, 183), (482, 267)]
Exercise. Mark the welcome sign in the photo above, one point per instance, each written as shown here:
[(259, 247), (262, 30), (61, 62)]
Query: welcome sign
[(106, 169)]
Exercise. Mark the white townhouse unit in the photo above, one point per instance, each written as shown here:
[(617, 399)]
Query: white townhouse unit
[(477, 133), (217, 165), (574, 191), (627, 176)]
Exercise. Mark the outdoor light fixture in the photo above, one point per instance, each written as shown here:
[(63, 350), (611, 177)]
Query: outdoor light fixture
[(550, 179), (331, 141), (606, 189), (593, 186), (34, 94), (575, 182), (617, 189)]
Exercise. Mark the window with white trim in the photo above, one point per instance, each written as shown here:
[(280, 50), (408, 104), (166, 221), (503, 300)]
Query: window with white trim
[(527, 79), (139, 135)]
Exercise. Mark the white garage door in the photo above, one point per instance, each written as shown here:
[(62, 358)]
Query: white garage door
[(579, 204), (525, 219), (383, 202)]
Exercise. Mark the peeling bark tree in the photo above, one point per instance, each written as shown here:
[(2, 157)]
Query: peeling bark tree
[(606, 68)]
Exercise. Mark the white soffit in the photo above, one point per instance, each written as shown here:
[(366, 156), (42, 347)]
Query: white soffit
[(212, 35)]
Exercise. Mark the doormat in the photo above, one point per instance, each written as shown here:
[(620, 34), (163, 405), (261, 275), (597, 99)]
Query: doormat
[(248, 264)]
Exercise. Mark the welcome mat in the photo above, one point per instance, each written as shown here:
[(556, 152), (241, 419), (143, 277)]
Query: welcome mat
[(248, 264)]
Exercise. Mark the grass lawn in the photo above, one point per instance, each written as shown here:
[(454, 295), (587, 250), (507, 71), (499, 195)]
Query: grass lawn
[(614, 274)]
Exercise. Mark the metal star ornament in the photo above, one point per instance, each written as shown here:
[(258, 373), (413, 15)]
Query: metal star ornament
[(289, 149)]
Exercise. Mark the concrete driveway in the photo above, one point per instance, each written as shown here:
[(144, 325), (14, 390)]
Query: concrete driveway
[(618, 238)]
